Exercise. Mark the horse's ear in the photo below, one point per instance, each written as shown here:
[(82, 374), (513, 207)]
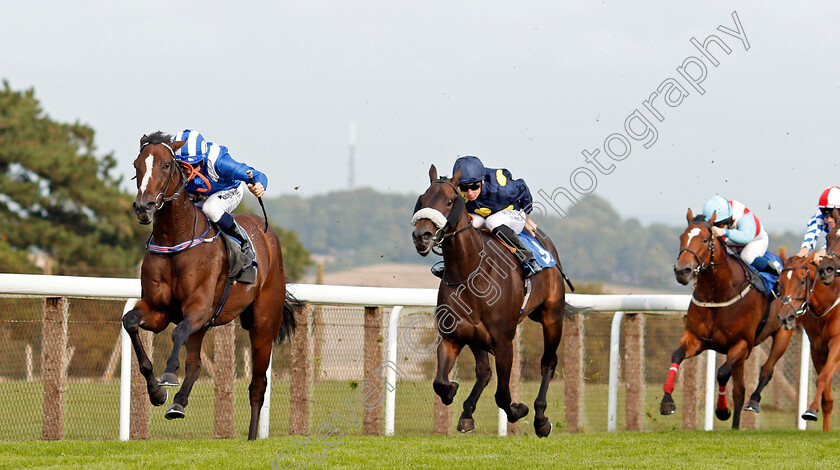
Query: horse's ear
[(835, 214), (713, 218), (177, 145), (456, 177), (143, 139), (689, 216), (432, 174), (783, 252)]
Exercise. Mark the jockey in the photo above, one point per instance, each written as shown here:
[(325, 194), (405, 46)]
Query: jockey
[(740, 228), (498, 203), (821, 222), (215, 184)]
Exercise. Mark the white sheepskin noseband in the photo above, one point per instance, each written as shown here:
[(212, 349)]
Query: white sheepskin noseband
[(434, 215)]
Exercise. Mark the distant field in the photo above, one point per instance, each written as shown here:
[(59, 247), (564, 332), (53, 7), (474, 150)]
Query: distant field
[(657, 450)]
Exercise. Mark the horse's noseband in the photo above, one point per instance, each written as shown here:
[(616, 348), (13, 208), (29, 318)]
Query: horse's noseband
[(437, 218)]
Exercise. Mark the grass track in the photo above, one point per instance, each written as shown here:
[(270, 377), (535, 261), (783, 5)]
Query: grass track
[(673, 449)]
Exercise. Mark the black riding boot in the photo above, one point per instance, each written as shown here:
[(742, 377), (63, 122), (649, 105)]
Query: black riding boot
[(507, 235), (247, 250)]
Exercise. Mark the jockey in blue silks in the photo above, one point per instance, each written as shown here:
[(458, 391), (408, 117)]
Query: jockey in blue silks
[(742, 231), (215, 185), (498, 203), (821, 222)]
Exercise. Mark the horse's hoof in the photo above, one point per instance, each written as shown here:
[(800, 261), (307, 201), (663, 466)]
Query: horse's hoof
[(753, 406), (466, 425), (723, 413), (449, 394), (809, 415), (543, 429), (517, 410), (160, 397), (168, 379), (175, 411), (667, 407)]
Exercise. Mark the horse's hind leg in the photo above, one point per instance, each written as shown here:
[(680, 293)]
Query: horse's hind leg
[(552, 333), (260, 356), (734, 363), (827, 408), (447, 352), (780, 344), (482, 378), (504, 362), (689, 346), (193, 368), (131, 323), (832, 362)]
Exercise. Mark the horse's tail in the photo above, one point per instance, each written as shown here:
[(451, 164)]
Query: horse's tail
[(570, 310), (287, 328)]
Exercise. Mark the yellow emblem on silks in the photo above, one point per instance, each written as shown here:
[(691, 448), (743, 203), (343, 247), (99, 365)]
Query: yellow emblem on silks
[(482, 211), (500, 177)]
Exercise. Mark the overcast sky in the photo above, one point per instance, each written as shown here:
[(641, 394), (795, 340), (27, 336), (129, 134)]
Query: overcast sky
[(523, 85)]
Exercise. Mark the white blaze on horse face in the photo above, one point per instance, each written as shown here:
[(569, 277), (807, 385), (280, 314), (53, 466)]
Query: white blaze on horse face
[(148, 174), (789, 274), (691, 234)]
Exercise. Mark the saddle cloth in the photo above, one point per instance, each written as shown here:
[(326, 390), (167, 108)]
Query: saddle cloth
[(544, 257)]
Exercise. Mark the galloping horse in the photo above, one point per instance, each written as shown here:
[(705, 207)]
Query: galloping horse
[(800, 293), (481, 300), (727, 314), (187, 285)]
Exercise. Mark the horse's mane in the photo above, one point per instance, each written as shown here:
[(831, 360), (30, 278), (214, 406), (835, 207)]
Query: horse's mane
[(699, 218), (157, 137)]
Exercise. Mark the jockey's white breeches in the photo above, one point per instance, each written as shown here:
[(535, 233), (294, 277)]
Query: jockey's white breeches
[(755, 248), (215, 205), (513, 219)]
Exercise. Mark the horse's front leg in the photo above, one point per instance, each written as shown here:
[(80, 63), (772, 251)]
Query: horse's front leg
[(504, 362), (832, 362), (260, 358), (447, 352), (482, 378), (193, 321), (156, 322), (193, 368), (780, 344), (735, 358), (689, 346)]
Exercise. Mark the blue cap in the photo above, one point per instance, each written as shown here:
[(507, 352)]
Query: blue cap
[(472, 170), (719, 206), (195, 150)]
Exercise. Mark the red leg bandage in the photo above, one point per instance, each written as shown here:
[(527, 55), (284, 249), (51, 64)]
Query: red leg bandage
[(721, 403), (672, 377)]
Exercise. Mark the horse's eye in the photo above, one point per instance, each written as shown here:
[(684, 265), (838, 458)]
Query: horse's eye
[(449, 202), (166, 165), (706, 240)]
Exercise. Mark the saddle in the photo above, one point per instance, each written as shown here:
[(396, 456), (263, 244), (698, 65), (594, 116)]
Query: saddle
[(237, 268)]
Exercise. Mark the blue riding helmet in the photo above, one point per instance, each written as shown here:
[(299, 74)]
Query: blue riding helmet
[(719, 206), (472, 170), (195, 150)]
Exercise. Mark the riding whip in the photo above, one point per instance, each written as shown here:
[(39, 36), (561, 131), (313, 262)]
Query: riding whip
[(265, 216)]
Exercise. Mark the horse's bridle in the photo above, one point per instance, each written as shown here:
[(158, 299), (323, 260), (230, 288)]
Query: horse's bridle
[(711, 249), (452, 219), (806, 301), (175, 165)]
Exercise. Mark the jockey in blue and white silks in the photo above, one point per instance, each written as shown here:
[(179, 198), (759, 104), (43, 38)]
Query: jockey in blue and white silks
[(498, 203), (821, 222), (742, 231), (216, 183)]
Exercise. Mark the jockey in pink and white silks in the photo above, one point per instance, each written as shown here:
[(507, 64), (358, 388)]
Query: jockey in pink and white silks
[(742, 231), (821, 222)]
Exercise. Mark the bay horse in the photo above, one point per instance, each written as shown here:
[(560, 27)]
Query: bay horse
[(727, 315), (186, 286), (482, 299), (801, 293)]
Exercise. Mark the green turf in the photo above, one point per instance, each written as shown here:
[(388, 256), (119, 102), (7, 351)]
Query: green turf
[(673, 449), (92, 410)]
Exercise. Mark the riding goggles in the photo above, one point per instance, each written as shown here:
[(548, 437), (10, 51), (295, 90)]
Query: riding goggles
[(469, 186)]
